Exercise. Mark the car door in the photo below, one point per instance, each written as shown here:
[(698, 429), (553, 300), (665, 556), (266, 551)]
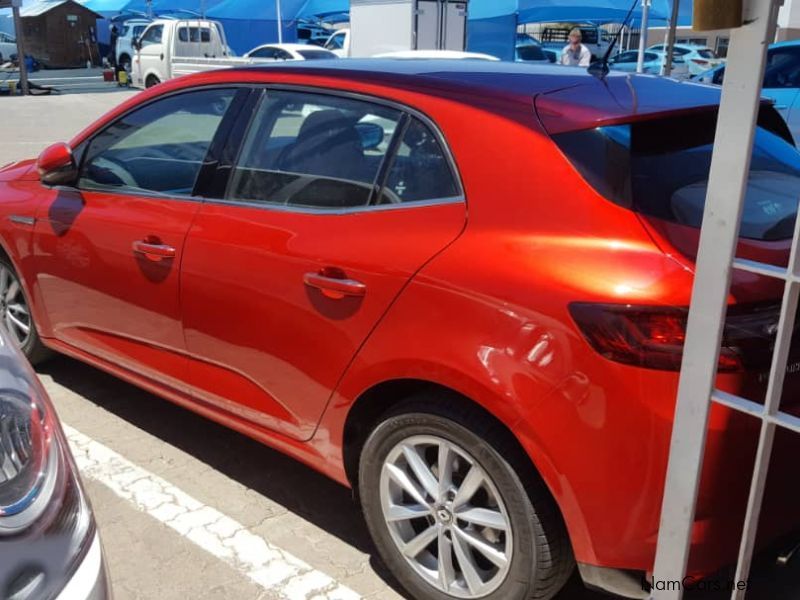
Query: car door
[(284, 277), (107, 252)]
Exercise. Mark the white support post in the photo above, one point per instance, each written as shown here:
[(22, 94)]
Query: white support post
[(730, 165), (279, 18), (643, 35)]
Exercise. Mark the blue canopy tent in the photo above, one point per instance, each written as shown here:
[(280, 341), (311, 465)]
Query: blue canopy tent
[(492, 24), (249, 23)]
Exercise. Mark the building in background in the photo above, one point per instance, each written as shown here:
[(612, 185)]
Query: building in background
[(60, 33)]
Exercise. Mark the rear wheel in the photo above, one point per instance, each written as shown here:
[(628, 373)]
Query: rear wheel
[(16, 315), (450, 515), (151, 81)]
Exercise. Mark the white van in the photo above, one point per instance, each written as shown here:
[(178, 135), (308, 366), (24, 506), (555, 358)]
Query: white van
[(129, 31), (172, 47)]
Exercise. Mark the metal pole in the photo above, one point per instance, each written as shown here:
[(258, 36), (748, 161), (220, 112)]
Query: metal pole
[(643, 35), (673, 26), (280, 20), (727, 186), (23, 68)]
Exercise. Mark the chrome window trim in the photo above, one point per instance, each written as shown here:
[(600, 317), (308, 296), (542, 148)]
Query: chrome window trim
[(337, 211)]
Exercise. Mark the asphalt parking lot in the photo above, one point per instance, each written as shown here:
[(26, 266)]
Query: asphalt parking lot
[(187, 508)]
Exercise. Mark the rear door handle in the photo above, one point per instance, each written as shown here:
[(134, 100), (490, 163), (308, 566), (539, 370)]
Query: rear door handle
[(334, 287), (153, 250)]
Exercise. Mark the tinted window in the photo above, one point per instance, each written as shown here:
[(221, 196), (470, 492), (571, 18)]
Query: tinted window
[(660, 168), (420, 170), (530, 53), (263, 53), (313, 150), (706, 53), (194, 34), (316, 54), (336, 42), (138, 29), (783, 68), (153, 35), (626, 57), (158, 148)]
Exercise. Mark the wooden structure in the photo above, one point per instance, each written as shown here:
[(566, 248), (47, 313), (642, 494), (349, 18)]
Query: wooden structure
[(60, 33)]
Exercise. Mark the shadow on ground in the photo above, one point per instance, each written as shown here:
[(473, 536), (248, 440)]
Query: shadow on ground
[(331, 506)]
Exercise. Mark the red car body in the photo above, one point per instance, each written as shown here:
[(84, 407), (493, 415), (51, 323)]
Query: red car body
[(471, 296)]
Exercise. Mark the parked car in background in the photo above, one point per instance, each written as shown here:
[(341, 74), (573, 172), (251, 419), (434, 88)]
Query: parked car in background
[(697, 58), (437, 55), (129, 31), (169, 48), (289, 52), (500, 392), (781, 81), (653, 62), (49, 545), (8, 47), (339, 43)]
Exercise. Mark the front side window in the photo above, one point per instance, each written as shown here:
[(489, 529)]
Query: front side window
[(661, 167), (153, 35), (313, 150), (316, 54), (336, 42), (159, 148)]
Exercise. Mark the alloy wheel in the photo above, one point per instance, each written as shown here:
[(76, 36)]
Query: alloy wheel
[(446, 516), (14, 311)]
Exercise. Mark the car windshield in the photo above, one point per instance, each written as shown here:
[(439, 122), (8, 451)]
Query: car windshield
[(316, 54), (661, 167)]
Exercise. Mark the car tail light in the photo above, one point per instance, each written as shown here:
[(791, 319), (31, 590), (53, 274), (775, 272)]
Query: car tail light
[(653, 336)]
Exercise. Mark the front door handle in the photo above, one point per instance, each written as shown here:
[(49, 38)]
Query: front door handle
[(153, 250), (335, 287)]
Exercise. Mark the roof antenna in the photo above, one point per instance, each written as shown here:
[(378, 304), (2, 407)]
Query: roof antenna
[(600, 68)]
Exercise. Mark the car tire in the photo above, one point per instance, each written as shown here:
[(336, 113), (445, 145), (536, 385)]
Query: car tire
[(541, 558), (151, 81), (31, 344)]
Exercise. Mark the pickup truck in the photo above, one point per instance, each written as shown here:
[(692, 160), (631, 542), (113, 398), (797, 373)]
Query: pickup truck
[(170, 48)]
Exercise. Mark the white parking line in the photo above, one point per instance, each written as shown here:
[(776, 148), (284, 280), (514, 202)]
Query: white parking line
[(267, 565)]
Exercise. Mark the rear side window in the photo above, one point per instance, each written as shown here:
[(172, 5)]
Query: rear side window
[(530, 53), (660, 168), (194, 34), (313, 150), (420, 171)]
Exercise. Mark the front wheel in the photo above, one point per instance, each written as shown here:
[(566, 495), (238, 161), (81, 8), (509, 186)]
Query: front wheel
[(451, 516), (16, 315), (151, 81)]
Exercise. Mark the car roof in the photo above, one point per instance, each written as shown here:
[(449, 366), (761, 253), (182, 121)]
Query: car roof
[(290, 47), (489, 84)]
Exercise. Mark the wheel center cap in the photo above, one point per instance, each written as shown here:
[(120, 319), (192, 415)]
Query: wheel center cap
[(444, 515)]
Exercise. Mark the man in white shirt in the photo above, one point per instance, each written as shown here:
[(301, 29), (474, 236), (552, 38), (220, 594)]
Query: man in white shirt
[(576, 54)]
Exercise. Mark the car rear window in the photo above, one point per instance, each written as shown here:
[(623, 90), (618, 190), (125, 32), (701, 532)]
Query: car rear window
[(660, 168), (707, 53)]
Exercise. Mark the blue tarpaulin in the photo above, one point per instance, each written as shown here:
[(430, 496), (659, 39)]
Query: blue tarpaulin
[(493, 24)]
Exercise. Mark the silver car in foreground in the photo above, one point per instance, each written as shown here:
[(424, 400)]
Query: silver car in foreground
[(49, 546)]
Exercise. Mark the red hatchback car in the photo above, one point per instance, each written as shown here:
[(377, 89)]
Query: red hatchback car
[(459, 287)]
